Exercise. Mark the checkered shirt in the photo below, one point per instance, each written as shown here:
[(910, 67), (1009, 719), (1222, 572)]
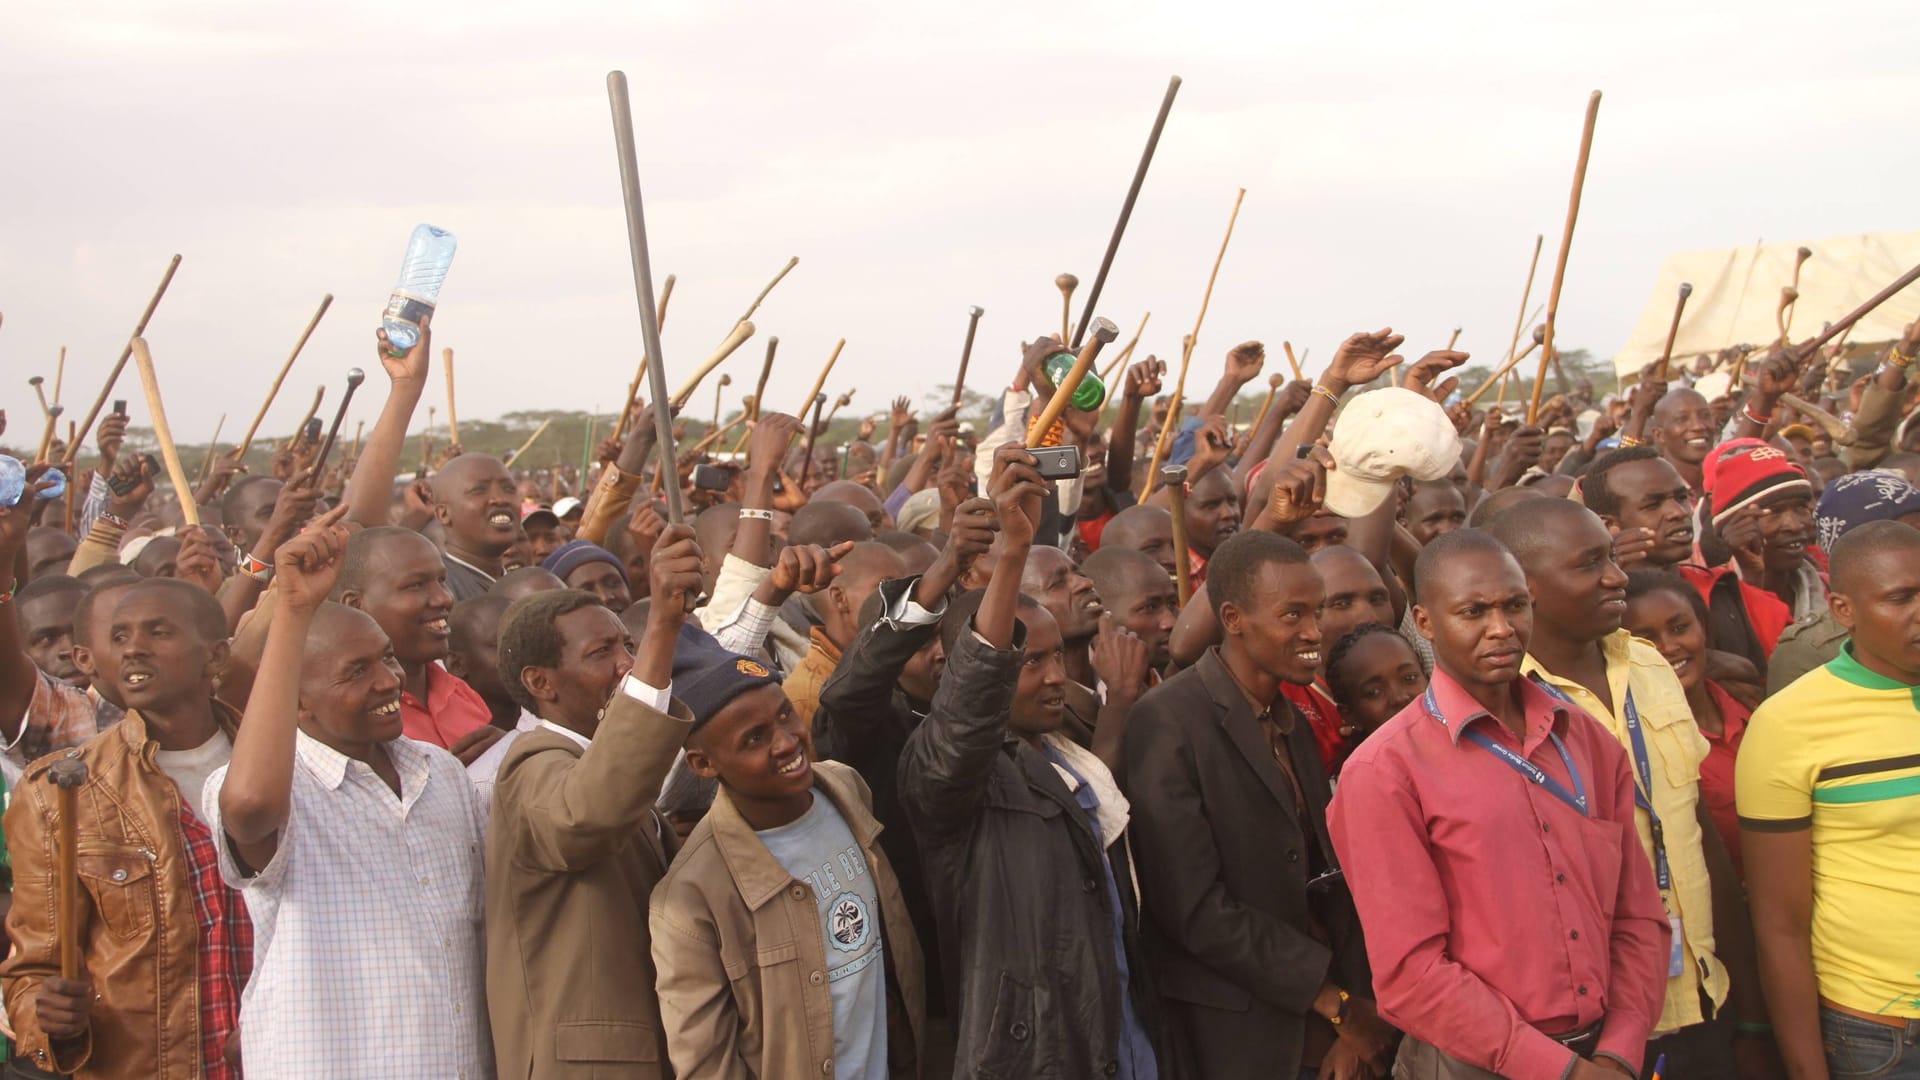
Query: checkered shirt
[(226, 946), (367, 922)]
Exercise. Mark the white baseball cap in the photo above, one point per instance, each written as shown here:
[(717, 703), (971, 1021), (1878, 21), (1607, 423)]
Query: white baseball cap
[(1383, 435)]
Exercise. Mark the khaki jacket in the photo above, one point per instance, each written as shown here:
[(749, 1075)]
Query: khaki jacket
[(140, 935), (743, 985), (574, 849)]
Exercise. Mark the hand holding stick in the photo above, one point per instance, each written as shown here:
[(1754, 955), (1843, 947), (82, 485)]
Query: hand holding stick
[(67, 775), (162, 431), (1103, 333), (139, 328), (246, 441), (1175, 477), (1673, 330), (1566, 246)]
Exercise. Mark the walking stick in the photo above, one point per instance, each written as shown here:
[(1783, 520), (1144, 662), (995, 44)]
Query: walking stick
[(139, 328), (1175, 477), (67, 776), (966, 352), (1126, 211), (162, 431), (246, 441), (1566, 246)]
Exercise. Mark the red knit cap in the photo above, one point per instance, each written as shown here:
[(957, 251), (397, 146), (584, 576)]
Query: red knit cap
[(1745, 475)]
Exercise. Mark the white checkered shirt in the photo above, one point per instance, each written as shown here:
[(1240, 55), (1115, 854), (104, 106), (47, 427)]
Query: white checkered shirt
[(368, 946)]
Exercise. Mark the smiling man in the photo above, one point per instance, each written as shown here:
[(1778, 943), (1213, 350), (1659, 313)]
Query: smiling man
[(1513, 931), (478, 508), (1579, 652), (396, 576), (165, 946), (1682, 428), (1265, 970), (358, 849)]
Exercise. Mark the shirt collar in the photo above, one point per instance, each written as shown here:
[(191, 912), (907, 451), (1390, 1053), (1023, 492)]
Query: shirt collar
[(452, 558), (439, 688), (1845, 667), (1617, 647), (580, 740), (330, 766), (1456, 710)]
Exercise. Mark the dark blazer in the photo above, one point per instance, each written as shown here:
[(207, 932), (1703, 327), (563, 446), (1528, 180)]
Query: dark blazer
[(1224, 859)]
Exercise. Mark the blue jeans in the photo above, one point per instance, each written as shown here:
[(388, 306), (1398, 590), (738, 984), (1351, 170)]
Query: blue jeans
[(1863, 1050)]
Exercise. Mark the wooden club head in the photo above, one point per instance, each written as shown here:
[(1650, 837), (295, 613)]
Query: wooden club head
[(1104, 329), (35, 381), (67, 773), (1276, 381), (1540, 334), (725, 379), (977, 311), (1067, 283)]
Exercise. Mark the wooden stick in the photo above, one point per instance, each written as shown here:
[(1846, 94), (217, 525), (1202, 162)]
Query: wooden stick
[(712, 436), (813, 429), (1207, 297), (1287, 347), (839, 403), (1165, 438), (1673, 330), (822, 380), (1175, 477), (1273, 390), (39, 392), (67, 775), (741, 332), (162, 431), (1791, 305), (759, 393), (246, 441), (536, 434), (622, 110), (1505, 368), (453, 419), (1454, 340), (139, 328), (213, 450), (755, 306), (1866, 307), (719, 386), (1103, 333), (1126, 211), (1566, 246), (1520, 319), (59, 374), (966, 353), (1119, 363), (46, 437), (1066, 283), (358, 425), (319, 393), (640, 373)]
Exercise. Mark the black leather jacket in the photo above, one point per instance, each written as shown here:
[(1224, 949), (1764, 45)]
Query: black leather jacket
[(1018, 886)]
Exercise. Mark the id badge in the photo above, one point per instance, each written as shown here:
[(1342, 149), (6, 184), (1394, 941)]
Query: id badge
[(1676, 960)]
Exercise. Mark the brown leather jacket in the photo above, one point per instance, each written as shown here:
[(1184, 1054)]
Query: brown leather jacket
[(139, 936)]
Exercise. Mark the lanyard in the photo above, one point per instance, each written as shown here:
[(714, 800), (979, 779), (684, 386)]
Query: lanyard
[(1643, 775), (1576, 798)]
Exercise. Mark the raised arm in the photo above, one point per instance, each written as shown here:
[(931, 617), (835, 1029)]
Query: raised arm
[(1142, 382), (1243, 366), (257, 795), (1361, 359), (370, 491)]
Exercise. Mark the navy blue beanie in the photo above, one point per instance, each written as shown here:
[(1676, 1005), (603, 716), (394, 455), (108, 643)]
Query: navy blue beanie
[(575, 554)]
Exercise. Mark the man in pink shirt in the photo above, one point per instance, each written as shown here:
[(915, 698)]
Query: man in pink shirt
[(1487, 831)]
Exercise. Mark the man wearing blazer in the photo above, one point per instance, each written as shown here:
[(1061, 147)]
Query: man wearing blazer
[(575, 847), (1251, 933)]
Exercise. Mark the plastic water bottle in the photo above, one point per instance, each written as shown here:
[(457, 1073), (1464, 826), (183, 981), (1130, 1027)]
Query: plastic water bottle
[(422, 272), (13, 481)]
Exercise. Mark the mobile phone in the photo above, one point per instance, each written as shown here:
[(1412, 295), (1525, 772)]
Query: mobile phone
[(121, 485), (1302, 453), (711, 478), (120, 406), (1057, 462), (313, 432)]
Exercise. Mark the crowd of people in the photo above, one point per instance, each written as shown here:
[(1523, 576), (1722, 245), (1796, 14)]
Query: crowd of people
[(1393, 736)]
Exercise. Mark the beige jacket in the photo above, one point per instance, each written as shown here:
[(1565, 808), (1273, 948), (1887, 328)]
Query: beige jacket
[(574, 850), (743, 985)]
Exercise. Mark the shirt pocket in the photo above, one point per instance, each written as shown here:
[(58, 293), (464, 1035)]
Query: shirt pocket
[(120, 883), (605, 1040)]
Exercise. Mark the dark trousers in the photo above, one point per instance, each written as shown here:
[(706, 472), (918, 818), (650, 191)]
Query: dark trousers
[(1695, 1051)]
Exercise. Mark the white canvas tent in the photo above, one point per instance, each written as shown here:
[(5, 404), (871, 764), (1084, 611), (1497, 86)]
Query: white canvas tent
[(1736, 296)]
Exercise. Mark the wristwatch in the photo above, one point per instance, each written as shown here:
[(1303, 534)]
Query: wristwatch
[(1340, 1014)]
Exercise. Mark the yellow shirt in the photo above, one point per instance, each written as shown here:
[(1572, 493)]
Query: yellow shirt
[(1838, 751), (1675, 749)]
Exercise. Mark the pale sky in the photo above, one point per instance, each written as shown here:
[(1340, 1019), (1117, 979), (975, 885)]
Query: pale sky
[(1398, 159)]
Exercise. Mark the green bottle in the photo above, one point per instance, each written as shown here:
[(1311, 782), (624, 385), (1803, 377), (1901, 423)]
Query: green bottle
[(1089, 395)]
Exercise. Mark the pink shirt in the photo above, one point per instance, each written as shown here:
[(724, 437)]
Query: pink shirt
[(1494, 912), (452, 710)]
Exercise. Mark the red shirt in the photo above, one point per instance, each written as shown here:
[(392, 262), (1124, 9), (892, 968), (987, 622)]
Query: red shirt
[(1324, 716), (1716, 773), (1766, 613), (452, 711), (1486, 898)]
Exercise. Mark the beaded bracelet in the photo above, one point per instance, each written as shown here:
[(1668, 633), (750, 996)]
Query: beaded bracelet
[(252, 566), (1629, 441), (1332, 398), (755, 513), (1763, 421), (114, 519), (1898, 359)]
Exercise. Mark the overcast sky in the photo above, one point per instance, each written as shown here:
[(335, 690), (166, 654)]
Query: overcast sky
[(1398, 159)]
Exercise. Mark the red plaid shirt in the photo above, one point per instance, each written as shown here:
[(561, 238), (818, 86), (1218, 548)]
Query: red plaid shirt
[(226, 946)]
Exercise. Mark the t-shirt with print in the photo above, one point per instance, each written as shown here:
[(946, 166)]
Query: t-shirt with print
[(820, 850), (1838, 753)]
